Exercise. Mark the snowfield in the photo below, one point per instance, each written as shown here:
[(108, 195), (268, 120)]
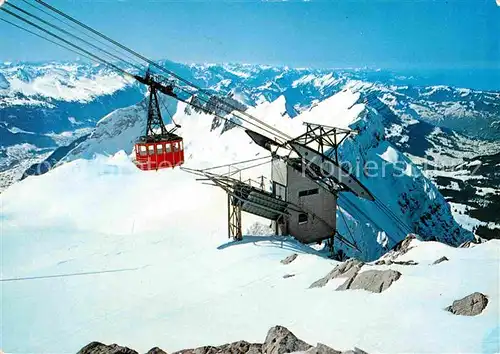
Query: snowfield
[(99, 250), (156, 274)]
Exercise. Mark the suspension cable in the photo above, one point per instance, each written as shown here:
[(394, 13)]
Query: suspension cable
[(219, 100), (69, 34), (50, 40), (67, 42), (363, 214), (347, 226), (207, 101), (248, 167), (78, 50), (77, 29), (389, 213), (235, 163), (277, 133)]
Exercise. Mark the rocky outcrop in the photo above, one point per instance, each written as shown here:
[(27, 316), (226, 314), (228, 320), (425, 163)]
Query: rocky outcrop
[(471, 305), (440, 260), (99, 348), (375, 281), (279, 340), (156, 350), (240, 347), (322, 349), (347, 269), (289, 259), (355, 351), (401, 247)]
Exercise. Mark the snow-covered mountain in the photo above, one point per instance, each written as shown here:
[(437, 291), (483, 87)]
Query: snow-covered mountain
[(48, 105), (411, 197), (437, 126), (96, 249)]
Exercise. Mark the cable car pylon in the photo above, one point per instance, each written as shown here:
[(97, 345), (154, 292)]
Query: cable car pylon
[(159, 148)]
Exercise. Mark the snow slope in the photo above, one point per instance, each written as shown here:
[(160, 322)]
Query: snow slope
[(143, 262)]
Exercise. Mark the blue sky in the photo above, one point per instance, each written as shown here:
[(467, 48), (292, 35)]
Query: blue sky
[(373, 33)]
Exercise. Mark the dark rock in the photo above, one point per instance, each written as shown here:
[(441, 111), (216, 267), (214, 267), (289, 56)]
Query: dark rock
[(288, 275), (344, 270), (389, 262), (289, 259), (99, 348), (280, 340), (156, 350), (405, 245), (410, 262), (240, 347), (467, 244), (471, 305), (442, 259), (375, 281), (322, 349)]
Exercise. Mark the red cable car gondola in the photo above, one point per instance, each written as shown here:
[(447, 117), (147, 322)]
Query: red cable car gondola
[(159, 148), (153, 153)]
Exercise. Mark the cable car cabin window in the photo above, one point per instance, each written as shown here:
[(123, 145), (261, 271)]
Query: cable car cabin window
[(182, 145), (176, 146), (168, 148), (159, 149), (151, 149), (143, 150), (302, 218), (308, 192)]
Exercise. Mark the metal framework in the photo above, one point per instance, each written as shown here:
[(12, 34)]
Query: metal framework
[(234, 219), (155, 121), (325, 136), (155, 127), (242, 196)]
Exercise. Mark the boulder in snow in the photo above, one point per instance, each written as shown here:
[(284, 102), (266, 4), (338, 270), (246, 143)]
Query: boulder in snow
[(471, 305), (289, 259), (375, 281), (440, 260), (344, 270), (280, 340), (389, 262), (467, 244), (99, 348)]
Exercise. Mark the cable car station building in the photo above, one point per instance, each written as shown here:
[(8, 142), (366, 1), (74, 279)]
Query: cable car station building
[(314, 217), (302, 200)]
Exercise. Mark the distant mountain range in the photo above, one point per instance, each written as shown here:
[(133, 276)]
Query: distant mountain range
[(452, 133)]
